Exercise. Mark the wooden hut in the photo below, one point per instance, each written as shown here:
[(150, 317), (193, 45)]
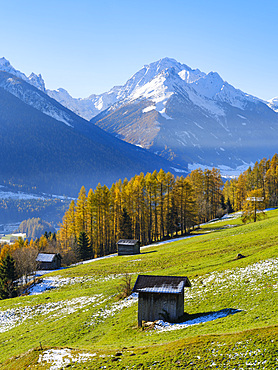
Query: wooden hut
[(128, 247), (160, 297), (48, 261)]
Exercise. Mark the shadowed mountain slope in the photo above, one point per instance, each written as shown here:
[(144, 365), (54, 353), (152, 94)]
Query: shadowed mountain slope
[(60, 155)]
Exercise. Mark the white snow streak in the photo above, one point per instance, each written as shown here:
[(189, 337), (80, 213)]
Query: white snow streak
[(58, 358), (148, 109), (15, 316), (166, 326)]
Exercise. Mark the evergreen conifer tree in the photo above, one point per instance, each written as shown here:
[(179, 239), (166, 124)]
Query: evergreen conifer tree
[(7, 277), (84, 246), (229, 206), (125, 225), (172, 219)]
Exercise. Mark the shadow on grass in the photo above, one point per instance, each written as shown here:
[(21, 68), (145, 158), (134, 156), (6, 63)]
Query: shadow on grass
[(193, 319), (206, 316), (189, 319), (148, 252)]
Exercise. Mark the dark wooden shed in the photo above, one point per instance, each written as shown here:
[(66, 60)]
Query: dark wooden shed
[(48, 261), (160, 297), (128, 247)]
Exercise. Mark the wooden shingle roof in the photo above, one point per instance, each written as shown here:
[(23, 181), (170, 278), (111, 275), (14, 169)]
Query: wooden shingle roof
[(127, 241), (47, 257), (161, 284)]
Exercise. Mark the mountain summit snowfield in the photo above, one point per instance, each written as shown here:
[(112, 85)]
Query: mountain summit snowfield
[(186, 116), (151, 82), (191, 117), (48, 147), (33, 79)]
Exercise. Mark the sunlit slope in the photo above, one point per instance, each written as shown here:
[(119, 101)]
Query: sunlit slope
[(85, 315)]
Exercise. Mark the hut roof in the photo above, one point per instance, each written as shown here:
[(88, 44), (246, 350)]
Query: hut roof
[(47, 257), (161, 284), (127, 241)]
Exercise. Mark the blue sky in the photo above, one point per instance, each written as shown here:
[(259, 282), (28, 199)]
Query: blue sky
[(88, 46)]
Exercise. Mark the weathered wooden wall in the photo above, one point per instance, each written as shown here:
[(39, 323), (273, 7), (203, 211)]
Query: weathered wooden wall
[(128, 249), (160, 306)]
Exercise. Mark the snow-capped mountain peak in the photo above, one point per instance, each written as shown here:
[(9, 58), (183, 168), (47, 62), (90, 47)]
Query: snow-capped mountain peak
[(37, 81), (273, 104), (33, 79), (5, 66), (181, 113), (208, 121), (157, 82), (209, 85), (26, 89), (150, 71), (4, 63)]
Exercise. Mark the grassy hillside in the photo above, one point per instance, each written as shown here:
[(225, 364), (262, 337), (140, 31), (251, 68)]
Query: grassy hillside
[(84, 318)]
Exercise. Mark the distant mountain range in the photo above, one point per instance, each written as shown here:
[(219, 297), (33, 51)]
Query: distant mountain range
[(192, 118), (48, 147), (181, 114), (184, 115)]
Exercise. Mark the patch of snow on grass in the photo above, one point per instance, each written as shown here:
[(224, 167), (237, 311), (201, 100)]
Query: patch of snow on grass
[(166, 326), (53, 282), (241, 352), (56, 282), (58, 358), (231, 279), (16, 316), (111, 310), (231, 216), (227, 281), (18, 195)]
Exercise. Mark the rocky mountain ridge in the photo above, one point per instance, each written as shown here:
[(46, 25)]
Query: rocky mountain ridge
[(180, 113), (46, 147)]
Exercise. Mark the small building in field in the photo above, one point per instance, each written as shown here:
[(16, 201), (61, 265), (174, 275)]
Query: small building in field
[(128, 247), (160, 297), (48, 261)]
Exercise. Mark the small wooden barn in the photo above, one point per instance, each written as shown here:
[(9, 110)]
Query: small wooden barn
[(160, 297), (48, 261), (128, 247)]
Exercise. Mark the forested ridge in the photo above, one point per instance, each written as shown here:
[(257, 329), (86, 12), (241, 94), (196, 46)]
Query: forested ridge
[(261, 179), (14, 210), (157, 205), (160, 205), (149, 208)]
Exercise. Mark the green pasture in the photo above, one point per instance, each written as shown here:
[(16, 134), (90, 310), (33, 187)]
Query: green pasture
[(86, 315)]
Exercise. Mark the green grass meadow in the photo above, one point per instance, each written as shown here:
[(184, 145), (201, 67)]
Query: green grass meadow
[(85, 316)]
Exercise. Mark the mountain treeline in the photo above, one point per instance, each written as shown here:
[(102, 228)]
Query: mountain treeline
[(148, 207), (14, 210), (35, 228), (261, 182)]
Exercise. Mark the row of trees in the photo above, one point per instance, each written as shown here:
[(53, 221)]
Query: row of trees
[(34, 227), (254, 189), (149, 208), (18, 262)]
